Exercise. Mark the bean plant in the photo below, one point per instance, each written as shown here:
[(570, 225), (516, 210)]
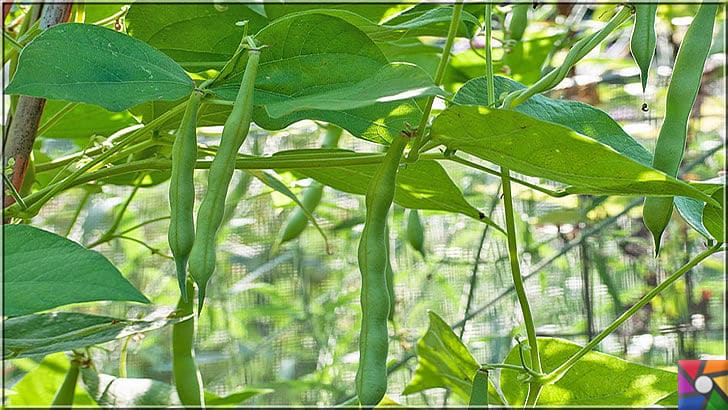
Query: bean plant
[(135, 86)]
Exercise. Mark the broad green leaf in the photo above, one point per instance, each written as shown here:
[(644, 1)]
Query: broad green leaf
[(547, 150), (96, 65), (371, 12), (420, 185), (597, 379), (314, 54), (433, 22), (392, 82), (196, 36), (117, 392), (714, 217), (691, 210), (44, 270), (236, 398), (444, 361), (44, 333), (38, 387), (582, 118), (84, 121)]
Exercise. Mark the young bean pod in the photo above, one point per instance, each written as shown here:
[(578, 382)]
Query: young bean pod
[(519, 20), (681, 94), (181, 233), (371, 376), (65, 394), (644, 39), (212, 208), (479, 392), (416, 232), (297, 221), (187, 376)]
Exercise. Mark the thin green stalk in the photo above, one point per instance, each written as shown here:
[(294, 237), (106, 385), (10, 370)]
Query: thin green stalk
[(490, 85), (34, 207), (141, 224), (117, 221), (516, 270), (420, 139), (123, 356), (580, 49), (77, 212), (10, 189), (17, 46), (80, 12), (560, 371), (56, 117), (549, 192), (112, 18)]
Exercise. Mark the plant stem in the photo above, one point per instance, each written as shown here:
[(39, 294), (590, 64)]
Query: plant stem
[(122, 357), (10, 189), (489, 54), (420, 139), (117, 221), (516, 271), (560, 371)]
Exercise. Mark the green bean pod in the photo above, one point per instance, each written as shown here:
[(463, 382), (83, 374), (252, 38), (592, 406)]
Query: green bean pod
[(65, 394), (187, 376), (389, 274), (181, 233), (416, 232), (519, 20), (212, 208), (297, 220), (681, 94), (479, 392), (371, 376), (644, 39)]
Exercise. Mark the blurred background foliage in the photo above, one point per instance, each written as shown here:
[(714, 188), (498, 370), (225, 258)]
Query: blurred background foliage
[(289, 320)]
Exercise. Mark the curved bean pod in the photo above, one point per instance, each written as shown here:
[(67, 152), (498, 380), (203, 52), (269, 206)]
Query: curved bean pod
[(519, 20), (416, 232), (479, 392), (644, 40), (212, 209), (681, 94), (371, 375), (181, 233), (65, 394), (297, 220)]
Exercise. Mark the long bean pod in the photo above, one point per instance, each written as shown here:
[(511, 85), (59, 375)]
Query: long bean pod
[(479, 392), (681, 94), (389, 275), (212, 209), (181, 233), (371, 375), (187, 376)]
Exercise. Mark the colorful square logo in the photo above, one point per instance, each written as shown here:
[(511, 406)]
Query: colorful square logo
[(702, 384)]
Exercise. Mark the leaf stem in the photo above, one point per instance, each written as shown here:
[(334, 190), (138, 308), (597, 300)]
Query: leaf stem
[(56, 117), (420, 139), (560, 371)]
